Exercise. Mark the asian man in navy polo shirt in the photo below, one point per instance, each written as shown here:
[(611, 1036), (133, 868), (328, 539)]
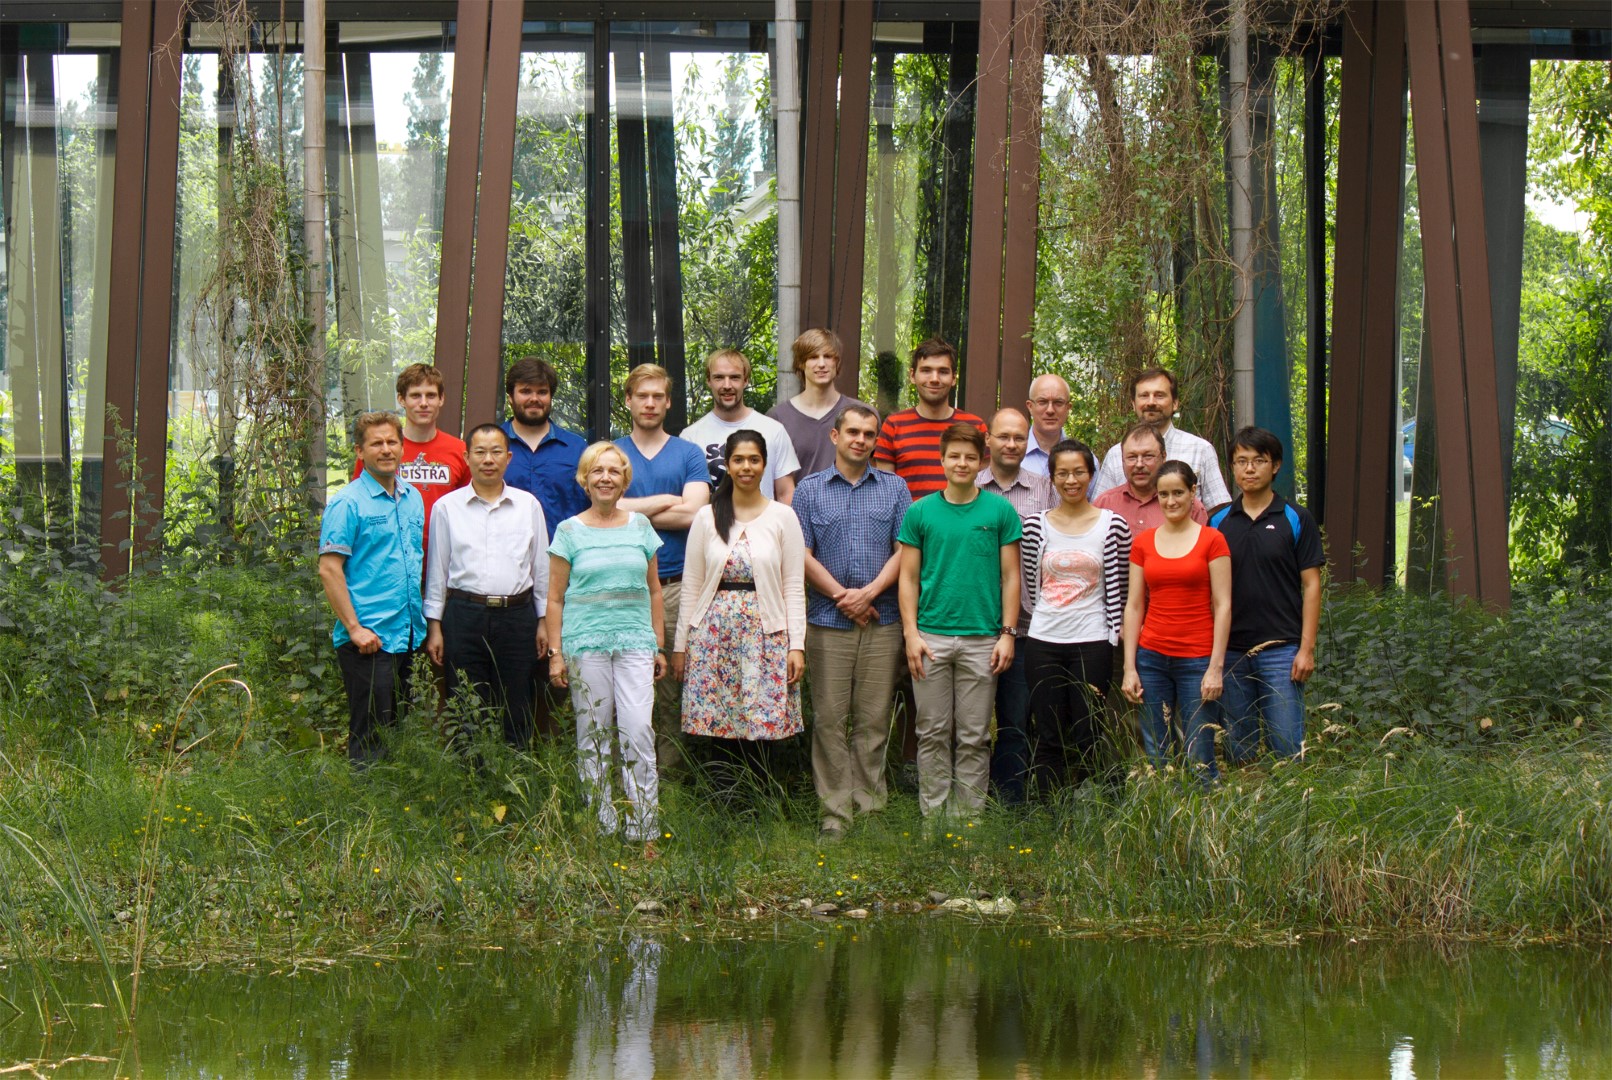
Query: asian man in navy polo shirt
[(1276, 562)]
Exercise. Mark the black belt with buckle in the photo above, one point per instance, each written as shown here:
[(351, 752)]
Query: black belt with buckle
[(737, 586), (671, 579), (492, 601)]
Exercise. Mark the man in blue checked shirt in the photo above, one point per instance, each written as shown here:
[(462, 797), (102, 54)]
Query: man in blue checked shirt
[(370, 555), (850, 515)]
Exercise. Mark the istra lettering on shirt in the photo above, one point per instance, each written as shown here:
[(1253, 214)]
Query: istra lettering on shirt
[(434, 468), (911, 443)]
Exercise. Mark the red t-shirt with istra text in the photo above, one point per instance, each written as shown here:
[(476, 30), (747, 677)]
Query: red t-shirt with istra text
[(434, 468)]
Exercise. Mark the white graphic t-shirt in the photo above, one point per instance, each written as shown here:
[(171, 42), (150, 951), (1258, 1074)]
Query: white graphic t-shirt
[(710, 433), (1069, 604)]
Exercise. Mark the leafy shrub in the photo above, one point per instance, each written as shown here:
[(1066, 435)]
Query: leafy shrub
[(1456, 673)]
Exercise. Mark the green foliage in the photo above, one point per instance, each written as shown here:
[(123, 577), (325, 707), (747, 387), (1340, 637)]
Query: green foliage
[(1458, 675)]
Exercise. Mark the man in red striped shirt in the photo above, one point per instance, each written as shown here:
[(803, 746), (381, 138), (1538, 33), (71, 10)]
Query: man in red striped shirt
[(909, 440)]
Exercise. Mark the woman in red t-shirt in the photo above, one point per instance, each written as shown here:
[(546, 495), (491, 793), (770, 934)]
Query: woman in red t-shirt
[(1177, 619)]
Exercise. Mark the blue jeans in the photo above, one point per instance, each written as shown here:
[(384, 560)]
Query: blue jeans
[(1010, 757), (1177, 681), (1261, 685)]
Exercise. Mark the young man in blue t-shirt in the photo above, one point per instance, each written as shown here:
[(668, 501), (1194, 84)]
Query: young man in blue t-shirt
[(1276, 559), (670, 483), (959, 594)]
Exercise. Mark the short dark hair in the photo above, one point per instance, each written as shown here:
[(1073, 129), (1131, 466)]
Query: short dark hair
[(962, 431), (1154, 430), (1072, 446), (930, 347), (1148, 375), (1180, 468), (1259, 441), (859, 409), (534, 370), (470, 436)]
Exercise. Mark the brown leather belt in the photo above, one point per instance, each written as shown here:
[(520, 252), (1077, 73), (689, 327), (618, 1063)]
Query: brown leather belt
[(492, 601), (671, 579)]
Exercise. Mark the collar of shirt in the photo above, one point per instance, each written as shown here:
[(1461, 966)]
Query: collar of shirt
[(470, 496), (987, 480), (1275, 506), (1129, 496), (868, 476), (555, 433), (373, 489)]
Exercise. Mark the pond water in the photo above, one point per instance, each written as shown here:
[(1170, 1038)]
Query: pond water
[(906, 997)]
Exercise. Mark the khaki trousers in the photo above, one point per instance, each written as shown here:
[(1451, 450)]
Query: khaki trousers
[(853, 674), (954, 701), (670, 758)]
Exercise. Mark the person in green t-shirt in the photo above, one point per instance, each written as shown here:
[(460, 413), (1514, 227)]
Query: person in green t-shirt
[(959, 613)]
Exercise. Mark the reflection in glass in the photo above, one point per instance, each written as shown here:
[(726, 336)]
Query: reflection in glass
[(696, 223), (545, 279), (920, 168), (55, 175)]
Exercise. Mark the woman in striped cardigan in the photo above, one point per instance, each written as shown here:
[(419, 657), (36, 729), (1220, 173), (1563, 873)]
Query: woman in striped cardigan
[(1076, 573)]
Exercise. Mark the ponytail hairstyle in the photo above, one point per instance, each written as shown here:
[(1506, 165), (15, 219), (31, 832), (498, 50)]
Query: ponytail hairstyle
[(1181, 469), (722, 497)]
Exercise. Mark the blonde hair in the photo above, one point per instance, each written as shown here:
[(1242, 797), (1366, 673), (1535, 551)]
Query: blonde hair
[(728, 354), (590, 458), (369, 420), (814, 341), (645, 373)]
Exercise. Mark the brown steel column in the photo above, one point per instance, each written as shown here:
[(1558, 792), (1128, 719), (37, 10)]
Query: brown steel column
[(157, 274), (821, 103), (492, 217), (983, 352), (123, 298), (851, 191), (459, 206), (1023, 199), (1365, 304), (1460, 332)]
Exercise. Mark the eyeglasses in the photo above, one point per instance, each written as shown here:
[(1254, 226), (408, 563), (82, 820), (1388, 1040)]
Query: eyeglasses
[(1141, 459), (1071, 474), (1250, 462), (1051, 403)]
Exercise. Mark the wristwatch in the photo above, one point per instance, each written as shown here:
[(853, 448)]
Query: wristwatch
[(1010, 631)]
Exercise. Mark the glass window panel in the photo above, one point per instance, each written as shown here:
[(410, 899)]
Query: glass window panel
[(918, 200), (698, 203), (545, 281), (55, 175)]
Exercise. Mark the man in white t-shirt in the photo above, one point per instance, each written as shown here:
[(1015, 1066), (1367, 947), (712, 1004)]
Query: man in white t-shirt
[(1153, 396), (727, 373)]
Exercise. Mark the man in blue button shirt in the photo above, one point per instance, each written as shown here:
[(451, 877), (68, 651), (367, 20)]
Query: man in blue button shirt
[(543, 459), (370, 555), (850, 516), (543, 455)]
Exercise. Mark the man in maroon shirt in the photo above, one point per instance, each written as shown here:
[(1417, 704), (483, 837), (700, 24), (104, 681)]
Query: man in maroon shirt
[(433, 461), (909, 440)]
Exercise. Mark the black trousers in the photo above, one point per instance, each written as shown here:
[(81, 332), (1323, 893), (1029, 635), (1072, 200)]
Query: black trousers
[(494, 650), (1067, 683), (377, 688)]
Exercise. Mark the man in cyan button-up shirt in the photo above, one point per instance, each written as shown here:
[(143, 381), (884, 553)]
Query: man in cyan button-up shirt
[(486, 586), (369, 563), (849, 517)]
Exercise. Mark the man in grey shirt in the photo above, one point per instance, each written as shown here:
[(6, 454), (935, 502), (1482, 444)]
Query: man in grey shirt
[(809, 415)]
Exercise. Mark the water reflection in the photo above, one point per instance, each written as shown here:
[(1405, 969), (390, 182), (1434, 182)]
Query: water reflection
[(903, 999)]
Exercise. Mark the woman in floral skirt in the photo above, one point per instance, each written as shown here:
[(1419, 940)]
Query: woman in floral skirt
[(741, 630)]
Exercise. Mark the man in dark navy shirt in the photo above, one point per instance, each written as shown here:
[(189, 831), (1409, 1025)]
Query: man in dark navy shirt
[(543, 459), (1276, 562)]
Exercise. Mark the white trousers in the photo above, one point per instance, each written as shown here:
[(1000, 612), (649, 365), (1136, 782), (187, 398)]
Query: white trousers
[(616, 690)]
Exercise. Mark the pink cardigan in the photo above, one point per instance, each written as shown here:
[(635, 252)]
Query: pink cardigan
[(778, 557)]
